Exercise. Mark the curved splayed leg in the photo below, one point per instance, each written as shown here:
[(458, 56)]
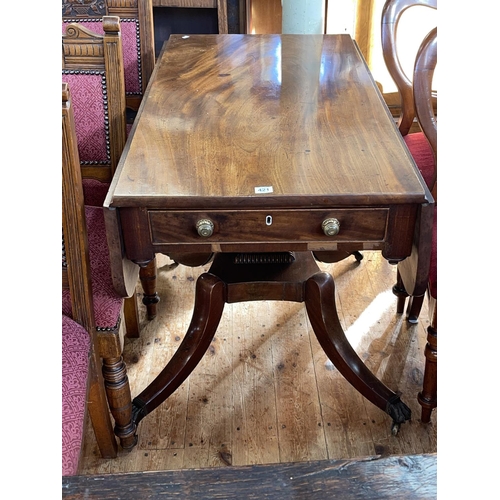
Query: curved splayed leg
[(208, 308), (320, 305)]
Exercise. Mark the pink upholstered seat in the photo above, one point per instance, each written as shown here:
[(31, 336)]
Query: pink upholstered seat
[(75, 367), (107, 303)]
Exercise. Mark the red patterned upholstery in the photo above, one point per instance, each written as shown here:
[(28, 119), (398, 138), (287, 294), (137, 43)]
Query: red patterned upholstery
[(130, 46), (75, 365), (422, 154), (107, 303), (88, 90), (94, 192)]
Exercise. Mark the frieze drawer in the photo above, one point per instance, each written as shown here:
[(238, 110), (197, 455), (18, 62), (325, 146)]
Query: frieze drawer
[(240, 226)]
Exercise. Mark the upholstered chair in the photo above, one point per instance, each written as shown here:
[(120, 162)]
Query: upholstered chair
[(88, 295), (137, 37), (416, 142), (76, 378), (425, 65), (92, 65)]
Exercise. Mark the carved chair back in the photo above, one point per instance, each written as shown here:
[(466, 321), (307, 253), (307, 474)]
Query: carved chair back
[(137, 33), (391, 16), (92, 65), (425, 65)]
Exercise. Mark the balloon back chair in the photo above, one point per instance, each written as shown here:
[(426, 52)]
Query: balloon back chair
[(87, 281), (425, 65), (92, 65), (416, 142), (137, 36)]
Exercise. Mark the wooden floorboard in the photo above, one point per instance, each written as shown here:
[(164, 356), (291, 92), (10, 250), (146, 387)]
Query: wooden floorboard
[(265, 393), (408, 477)]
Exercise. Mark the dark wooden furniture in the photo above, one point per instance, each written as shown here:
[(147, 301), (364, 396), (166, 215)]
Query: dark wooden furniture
[(262, 150), (392, 13), (85, 55), (136, 17), (412, 477), (76, 276), (417, 143), (425, 65), (93, 66)]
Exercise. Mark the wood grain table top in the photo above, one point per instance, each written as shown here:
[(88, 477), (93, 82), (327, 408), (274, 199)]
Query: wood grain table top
[(248, 121)]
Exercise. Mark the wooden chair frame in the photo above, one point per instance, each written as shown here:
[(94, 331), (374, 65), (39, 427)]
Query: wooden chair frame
[(83, 50), (108, 345), (76, 276), (425, 65), (139, 10), (414, 272), (391, 15)]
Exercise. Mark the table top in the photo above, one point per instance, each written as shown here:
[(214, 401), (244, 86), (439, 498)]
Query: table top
[(246, 121), (410, 477)]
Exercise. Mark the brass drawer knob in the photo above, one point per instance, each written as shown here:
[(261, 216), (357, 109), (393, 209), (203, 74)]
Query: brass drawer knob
[(331, 226), (205, 228)]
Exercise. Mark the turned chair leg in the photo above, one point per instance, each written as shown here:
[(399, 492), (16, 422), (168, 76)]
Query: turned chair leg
[(147, 276), (119, 396), (101, 420), (428, 396)]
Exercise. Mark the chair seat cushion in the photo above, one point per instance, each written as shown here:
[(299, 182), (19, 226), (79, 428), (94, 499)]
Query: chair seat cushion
[(75, 365), (421, 152), (94, 192), (107, 303), (433, 268)]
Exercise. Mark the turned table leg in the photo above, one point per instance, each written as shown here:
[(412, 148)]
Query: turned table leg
[(147, 275)]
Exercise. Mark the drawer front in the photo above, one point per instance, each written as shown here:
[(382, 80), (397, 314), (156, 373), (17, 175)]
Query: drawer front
[(260, 226)]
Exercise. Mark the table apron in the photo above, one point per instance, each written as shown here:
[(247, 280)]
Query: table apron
[(150, 231)]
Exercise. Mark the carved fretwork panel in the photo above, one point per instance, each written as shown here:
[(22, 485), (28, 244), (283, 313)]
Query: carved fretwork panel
[(85, 8), (99, 8)]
